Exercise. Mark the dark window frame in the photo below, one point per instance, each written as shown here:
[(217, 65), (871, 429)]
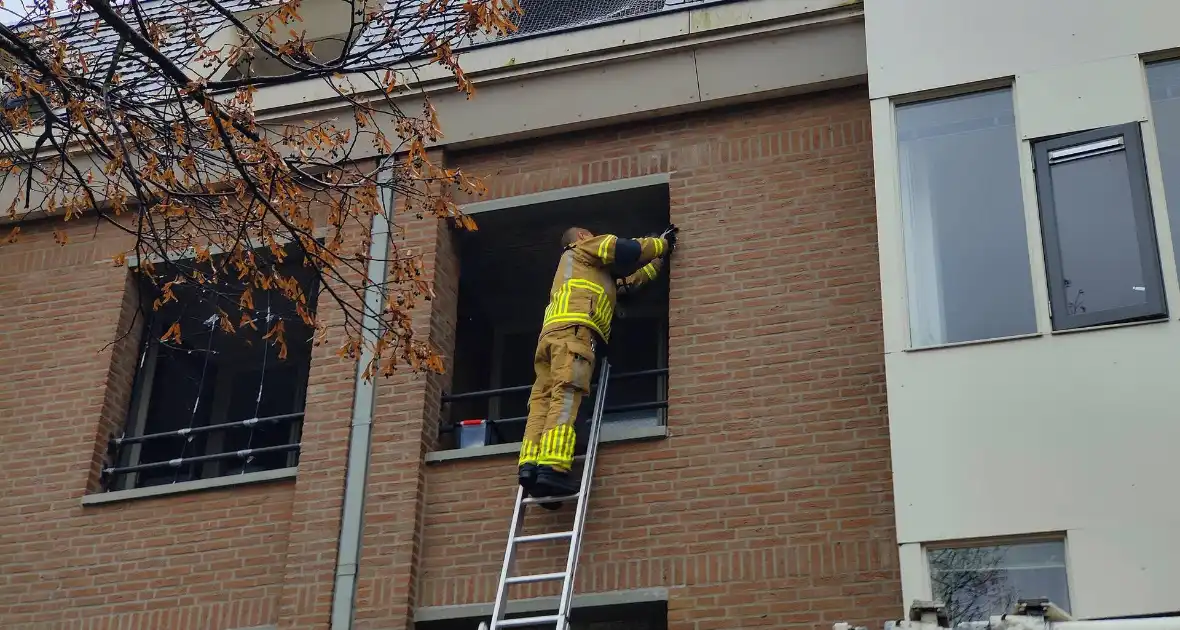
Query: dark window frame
[(139, 419), (1141, 209), (504, 425)]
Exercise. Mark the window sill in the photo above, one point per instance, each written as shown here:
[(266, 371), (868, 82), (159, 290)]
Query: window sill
[(1068, 331), (974, 342), (609, 434), (1071, 331), (188, 486)]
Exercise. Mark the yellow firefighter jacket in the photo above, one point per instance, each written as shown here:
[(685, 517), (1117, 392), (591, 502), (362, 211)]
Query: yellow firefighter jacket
[(584, 292)]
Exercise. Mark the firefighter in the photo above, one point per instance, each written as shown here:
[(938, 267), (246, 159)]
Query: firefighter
[(592, 271)]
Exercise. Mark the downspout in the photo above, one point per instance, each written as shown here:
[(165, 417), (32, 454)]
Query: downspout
[(356, 476)]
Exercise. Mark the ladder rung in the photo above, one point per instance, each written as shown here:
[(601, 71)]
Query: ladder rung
[(526, 621), (537, 501), (539, 577), (543, 537)]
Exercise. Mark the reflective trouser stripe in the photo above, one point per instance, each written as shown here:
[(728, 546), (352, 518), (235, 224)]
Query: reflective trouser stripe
[(557, 447), (530, 451)]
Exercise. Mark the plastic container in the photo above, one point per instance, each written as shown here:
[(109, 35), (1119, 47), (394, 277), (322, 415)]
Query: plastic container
[(473, 433)]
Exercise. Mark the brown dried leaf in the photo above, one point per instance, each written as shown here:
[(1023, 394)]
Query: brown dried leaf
[(173, 333)]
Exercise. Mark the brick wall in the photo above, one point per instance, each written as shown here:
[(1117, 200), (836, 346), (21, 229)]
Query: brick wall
[(229, 558), (63, 388), (770, 505)]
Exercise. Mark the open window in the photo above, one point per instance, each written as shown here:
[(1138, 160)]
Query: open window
[(222, 399), (638, 615), (506, 272)]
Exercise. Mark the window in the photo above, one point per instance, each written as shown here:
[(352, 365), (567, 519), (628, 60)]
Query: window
[(262, 64), (215, 402), (1163, 82), (1100, 248), (977, 582), (35, 111), (325, 25), (506, 272), (966, 246), (639, 615)]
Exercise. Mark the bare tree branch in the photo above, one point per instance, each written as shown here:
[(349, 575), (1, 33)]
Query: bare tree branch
[(142, 115)]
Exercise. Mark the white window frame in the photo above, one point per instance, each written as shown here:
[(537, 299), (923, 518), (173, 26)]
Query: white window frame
[(998, 541), (894, 250)]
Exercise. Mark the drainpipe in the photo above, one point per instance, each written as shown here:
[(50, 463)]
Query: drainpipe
[(363, 401)]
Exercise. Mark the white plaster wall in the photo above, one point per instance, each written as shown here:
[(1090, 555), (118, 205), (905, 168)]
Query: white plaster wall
[(989, 441), (918, 45), (1072, 433)]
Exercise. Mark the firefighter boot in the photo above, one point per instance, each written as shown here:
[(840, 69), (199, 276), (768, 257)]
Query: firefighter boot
[(528, 481), (554, 483), (528, 477)]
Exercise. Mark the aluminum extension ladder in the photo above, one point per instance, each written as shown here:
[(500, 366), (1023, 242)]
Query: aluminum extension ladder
[(561, 620)]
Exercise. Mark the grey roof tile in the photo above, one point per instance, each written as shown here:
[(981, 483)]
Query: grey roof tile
[(83, 32)]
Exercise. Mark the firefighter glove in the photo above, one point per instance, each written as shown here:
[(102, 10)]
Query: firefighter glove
[(670, 236)]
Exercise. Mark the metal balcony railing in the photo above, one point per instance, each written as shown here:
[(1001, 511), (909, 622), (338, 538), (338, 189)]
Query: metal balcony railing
[(116, 445), (549, 17), (502, 391)]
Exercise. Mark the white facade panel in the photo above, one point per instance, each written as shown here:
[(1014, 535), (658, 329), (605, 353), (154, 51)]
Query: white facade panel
[(917, 45), (1052, 433), (1087, 95), (1036, 435), (1073, 434)]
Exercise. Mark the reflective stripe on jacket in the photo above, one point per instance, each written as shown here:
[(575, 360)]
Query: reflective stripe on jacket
[(584, 292)]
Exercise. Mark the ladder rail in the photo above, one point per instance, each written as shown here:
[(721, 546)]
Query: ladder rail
[(571, 565), (499, 609), (561, 619)]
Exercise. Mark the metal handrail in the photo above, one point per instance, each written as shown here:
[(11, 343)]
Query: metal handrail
[(492, 393), (655, 404), (180, 461), (249, 422)]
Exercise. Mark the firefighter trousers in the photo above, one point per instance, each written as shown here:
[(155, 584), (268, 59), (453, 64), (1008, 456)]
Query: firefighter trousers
[(564, 363)]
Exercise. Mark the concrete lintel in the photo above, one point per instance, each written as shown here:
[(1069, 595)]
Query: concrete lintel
[(540, 604), (623, 433), (688, 26), (571, 192), (189, 486)]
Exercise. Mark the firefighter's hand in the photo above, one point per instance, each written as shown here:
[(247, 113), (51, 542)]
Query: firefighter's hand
[(670, 236)]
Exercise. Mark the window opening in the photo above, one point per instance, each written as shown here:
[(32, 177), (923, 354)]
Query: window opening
[(506, 272), (221, 399), (651, 615)]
